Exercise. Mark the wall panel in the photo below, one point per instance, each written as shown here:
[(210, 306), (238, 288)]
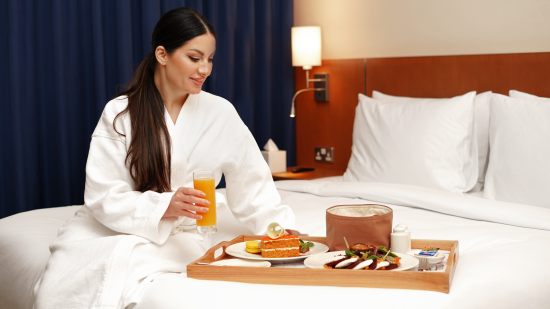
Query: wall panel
[(328, 124)]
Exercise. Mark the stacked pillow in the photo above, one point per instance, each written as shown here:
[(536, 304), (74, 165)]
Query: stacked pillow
[(519, 164), (482, 114), (423, 142), (522, 95), (450, 144)]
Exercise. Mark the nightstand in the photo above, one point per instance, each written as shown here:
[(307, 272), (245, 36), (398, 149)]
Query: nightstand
[(317, 173)]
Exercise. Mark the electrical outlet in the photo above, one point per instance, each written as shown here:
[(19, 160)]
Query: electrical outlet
[(324, 154)]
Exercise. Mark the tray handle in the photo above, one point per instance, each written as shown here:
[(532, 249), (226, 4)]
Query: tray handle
[(211, 253)]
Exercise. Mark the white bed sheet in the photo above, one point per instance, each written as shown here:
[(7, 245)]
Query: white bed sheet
[(495, 268), (500, 265), (24, 242)]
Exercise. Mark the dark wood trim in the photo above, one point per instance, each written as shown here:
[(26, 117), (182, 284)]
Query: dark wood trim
[(317, 173), (330, 124)]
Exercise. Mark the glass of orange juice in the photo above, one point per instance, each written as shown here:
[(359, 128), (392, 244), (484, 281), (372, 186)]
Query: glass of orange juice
[(204, 181)]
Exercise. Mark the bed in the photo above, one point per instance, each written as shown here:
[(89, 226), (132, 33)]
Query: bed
[(500, 265), (503, 241)]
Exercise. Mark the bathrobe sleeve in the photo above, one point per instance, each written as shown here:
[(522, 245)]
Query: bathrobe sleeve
[(251, 192), (109, 193)]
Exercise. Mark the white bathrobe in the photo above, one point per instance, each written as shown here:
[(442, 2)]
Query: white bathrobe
[(118, 241)]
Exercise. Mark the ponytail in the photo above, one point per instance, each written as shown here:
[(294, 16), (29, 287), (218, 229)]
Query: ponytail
[(149, 154)]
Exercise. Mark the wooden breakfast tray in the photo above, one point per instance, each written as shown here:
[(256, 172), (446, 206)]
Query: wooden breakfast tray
[(412, 280)]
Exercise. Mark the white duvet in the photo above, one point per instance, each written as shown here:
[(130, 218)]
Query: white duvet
[(503, 262)]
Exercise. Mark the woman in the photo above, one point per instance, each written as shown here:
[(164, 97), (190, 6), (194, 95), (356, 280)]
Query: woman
[(138, 220)]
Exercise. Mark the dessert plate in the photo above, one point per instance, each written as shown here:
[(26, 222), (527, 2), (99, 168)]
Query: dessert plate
[(238, 250), (318, 261)]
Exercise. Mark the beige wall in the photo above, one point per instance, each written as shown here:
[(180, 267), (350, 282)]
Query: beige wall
[(396, 28)]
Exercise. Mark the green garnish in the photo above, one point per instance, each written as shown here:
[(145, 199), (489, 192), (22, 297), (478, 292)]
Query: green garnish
[(305, 245), (385, 256), (365, 255), (382, 249), (350, 253)]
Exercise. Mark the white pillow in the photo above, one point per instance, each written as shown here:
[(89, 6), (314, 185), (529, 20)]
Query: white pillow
[(481, 103), (482, 113), (423, 142), (522, 95), (519, 164)]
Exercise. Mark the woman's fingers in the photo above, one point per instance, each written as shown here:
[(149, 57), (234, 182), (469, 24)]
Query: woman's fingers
[(195, 200), (191, 191), (179, 211), (184, 209), (187, 213), (185, 202), (190, 199), (192, 196), (188, 206)]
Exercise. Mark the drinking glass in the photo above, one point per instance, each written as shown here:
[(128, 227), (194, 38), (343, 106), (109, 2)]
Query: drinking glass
[(204, 181)]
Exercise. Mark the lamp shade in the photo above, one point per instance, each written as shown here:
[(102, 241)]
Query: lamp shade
[(306, 47)]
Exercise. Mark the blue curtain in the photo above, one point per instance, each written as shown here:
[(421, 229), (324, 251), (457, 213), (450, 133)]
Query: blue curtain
[(61, 61)]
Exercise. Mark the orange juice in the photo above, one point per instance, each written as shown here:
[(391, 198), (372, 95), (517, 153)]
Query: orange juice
[(207, 185)]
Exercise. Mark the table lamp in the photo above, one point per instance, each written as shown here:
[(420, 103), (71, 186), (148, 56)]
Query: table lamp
[(306, 52)]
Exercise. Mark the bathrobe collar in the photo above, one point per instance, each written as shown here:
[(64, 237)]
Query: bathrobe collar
[(177, 131)]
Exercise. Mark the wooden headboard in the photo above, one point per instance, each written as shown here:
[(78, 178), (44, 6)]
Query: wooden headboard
[(330, 124)]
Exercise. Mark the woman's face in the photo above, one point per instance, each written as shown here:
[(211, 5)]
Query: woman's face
[(188, 66)]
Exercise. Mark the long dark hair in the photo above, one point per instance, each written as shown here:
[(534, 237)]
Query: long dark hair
[(149, 155)]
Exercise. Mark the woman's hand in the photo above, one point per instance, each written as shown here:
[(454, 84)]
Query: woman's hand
[(182, 201)]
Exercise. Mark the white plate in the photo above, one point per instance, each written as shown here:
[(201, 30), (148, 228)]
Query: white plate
[(241, 262), (318, 261), (238, 250)]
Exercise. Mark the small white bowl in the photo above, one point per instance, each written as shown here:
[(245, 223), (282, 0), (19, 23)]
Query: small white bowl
[(440, 256)]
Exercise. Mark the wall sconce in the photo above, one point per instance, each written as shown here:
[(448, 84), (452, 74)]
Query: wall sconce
[(306, 52)]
